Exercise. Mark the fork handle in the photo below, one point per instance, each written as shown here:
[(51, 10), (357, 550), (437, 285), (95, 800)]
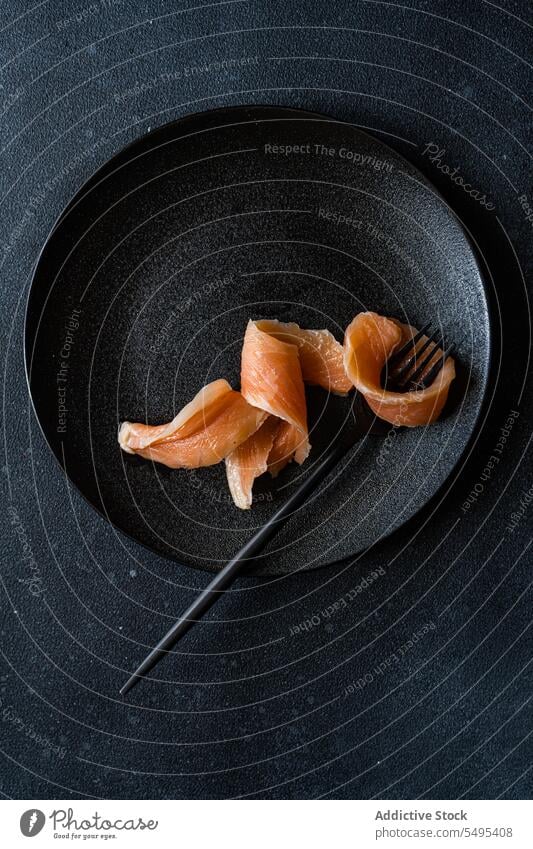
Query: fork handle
[(229, 572)]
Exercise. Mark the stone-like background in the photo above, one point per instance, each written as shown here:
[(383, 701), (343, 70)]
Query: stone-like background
[(419, 687)]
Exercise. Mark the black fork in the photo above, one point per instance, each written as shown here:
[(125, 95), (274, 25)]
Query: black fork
[(414, 366), (409, 368)]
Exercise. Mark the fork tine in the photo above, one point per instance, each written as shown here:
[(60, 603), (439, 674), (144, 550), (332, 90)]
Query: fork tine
[(397, 357), (413, 378), (401, 375), (436, 368)]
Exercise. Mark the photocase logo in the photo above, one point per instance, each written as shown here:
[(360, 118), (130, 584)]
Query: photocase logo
[(32, 822)]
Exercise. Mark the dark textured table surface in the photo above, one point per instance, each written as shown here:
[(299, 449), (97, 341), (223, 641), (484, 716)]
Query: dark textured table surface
[(412, 684)]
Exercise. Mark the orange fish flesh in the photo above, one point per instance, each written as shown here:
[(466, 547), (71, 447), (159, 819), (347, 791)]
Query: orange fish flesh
[(207, 429), (250, 460), (368, 343), (321, 356), (264, 426)]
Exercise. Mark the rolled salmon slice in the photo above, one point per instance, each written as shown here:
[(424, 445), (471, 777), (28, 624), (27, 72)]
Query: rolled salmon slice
[(271, 379), (204, 432), (321, 356), (249, 461), (287, 446), (270, 448), (368, 343)]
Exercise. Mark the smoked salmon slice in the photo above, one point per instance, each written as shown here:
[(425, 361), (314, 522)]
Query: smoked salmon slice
[(368, 343), (264, 426), (271, 376), (207, 429), (321, 356), (268, 449), (250, 460), (276, 360), (284, 448), (271, 379)]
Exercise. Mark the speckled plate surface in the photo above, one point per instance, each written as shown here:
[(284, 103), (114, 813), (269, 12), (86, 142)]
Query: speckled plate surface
[(142, 294)]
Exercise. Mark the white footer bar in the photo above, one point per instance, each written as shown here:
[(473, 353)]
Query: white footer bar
[(267, 824)]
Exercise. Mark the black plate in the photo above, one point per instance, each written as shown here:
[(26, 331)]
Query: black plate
[(142, 293)]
